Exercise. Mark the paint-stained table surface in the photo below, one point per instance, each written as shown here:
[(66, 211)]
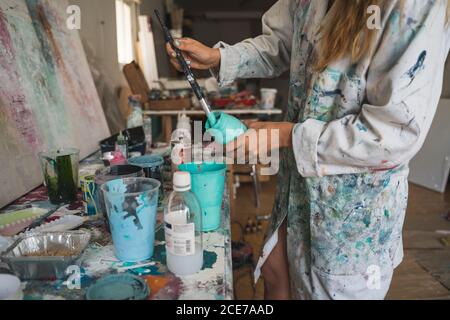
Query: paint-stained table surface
[(213, 282)]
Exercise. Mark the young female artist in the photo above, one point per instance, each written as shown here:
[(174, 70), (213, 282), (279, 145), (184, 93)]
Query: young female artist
[(361, 103)]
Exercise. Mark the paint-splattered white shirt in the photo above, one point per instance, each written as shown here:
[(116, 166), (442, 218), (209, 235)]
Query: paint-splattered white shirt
[(343, 185), (384, 105)]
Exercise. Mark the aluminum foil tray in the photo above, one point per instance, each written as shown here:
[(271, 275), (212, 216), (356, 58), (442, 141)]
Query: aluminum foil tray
[(46, 256)]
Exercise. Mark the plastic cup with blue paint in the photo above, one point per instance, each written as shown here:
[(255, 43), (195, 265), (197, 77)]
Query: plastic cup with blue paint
[(131, 205), (208, 184)]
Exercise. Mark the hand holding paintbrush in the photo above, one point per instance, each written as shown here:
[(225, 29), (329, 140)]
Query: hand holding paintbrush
[(199, 56)]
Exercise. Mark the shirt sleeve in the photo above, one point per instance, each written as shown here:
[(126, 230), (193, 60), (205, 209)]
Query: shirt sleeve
[(265, 56), (404, 83)]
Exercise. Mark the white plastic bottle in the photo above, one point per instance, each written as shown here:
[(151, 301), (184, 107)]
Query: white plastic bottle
[(183, 228)]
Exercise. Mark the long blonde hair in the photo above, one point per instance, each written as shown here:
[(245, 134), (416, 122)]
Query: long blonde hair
[(344, 34)]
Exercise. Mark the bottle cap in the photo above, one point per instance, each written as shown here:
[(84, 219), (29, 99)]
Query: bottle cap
[(181, 181)]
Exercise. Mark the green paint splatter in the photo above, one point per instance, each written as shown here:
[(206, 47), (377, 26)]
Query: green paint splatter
[(369, 240), (343, 258), (341, 236), (359, 245), (152, 270), (387, 214), (384, 237), (335, 214), (209, 259), (366, 220)]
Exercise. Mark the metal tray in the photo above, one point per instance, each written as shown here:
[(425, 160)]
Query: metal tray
[(46, 256)]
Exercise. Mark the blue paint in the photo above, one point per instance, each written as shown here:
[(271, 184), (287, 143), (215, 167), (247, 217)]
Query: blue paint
[(361, 127), (360, 245), (209, 259), (226, 128), (132, 207), (343, 258), (418, 66), (384, 236), (367, 220), (118, 287), (410, 22), (149, 270), (394, 20)]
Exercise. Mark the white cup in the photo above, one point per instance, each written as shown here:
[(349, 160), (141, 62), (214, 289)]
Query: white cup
[(268, 98), (10, 287)]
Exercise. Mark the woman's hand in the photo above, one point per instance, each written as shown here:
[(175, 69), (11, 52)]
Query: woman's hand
[(262, 137), (197, 54)]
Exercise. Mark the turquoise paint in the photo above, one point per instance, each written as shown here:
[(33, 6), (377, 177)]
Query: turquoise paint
[(209, 259), (360, 245), (118, 287), (394, 20), (341, 236), (343, 258), (334, 74), (366, 220), (384, 236), (212, 119), (150, 270), (86, 281), (386, 182), (160, 250), (226, 129), (361, 127), (208, 184)]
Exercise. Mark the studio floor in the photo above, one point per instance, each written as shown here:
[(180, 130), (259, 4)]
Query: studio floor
[(425, 271)]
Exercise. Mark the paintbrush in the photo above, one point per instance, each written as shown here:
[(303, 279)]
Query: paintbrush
[(40, 220), (187, 72)]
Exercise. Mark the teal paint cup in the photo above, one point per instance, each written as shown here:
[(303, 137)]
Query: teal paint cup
[(226, 129), (208, 184)]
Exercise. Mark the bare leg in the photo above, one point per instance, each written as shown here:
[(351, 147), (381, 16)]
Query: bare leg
[(276, 270)]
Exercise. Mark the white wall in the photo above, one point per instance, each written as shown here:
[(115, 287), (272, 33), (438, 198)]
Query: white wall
[(98, 32), (147, 8)]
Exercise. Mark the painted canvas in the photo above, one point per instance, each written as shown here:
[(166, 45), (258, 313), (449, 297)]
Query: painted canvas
[(47, 95)]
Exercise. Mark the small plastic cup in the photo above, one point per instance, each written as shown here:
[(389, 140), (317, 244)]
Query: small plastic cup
[(226, 129), (208, 184), (131, 205), (268, 98), (112, 173), (60, 169), (153, 168)]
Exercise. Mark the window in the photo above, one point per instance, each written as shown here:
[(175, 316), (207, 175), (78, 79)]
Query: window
[(124, 32)]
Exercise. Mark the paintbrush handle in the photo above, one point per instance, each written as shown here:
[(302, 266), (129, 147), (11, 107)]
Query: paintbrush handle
[(187, 71), (40, 220)]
